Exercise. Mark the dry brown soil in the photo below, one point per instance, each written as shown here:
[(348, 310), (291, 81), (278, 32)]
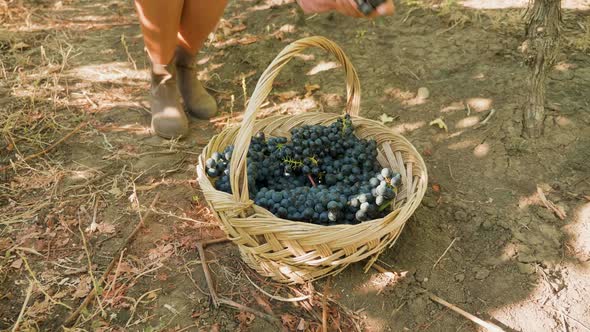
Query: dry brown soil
[(512, 261)]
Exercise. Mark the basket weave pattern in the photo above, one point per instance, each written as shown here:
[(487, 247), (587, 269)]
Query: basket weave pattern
[(296, 252)]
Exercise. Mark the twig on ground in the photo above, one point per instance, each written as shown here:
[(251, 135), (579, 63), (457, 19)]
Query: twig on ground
[(487, 325), (219, 300), (29, 250), (24, 258), (444, 253), (24, 307), (113, 283), (559, 310), (129, 57), (550, 205), (380, 268), (74, 316), (201, 223), (208, 278), (451, 173), (92, 278), (206, 243), (396, 310), (242, 307), (352, 315), (93, 224), (49, 148), (325, 307), (188, 328), (278, 298), (136, 303), (189, 273), (488, 117)]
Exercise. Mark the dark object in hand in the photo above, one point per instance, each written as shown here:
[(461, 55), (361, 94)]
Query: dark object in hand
[(368, 6)]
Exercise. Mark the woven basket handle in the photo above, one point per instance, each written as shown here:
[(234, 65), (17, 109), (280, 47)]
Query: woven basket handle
[(238, 173)]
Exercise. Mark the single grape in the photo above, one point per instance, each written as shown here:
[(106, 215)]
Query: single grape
[(379, 200), (374, 182), (212, 172), (365, 206), (210, 163), (380, 190), (360, 215), (386, 173)]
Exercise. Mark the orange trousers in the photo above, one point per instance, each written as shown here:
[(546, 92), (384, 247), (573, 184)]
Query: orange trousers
[(168, 24)]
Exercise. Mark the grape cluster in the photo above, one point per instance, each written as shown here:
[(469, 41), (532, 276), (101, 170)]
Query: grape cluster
[(324, 175)]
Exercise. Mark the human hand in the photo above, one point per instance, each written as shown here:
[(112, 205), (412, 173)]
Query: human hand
[(346, 7)]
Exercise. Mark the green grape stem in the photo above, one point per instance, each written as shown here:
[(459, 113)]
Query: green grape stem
[(344, 125), (292, 162), (313, 160), (384, 206)]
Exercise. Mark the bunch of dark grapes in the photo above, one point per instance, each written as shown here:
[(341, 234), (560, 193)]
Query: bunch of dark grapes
[(323, 175)]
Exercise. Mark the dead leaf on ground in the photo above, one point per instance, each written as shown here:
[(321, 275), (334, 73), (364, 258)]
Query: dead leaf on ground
[(280, 33), (384, 118), (301, 325), (331, 99), (61, 294), (203, 61), (287, 95), (133, 200), (83, 287), (397, 93), (262, 302), (289, 321), (20, 46), (5, 243), (106, 228), (323, 66), (197, 314), (310, 88), (436, 188), (247, 40), (17, 264), (245, 319), (39, 309), (227, 28), (92, 228), (238, 28), (440, 123), (161, 252)]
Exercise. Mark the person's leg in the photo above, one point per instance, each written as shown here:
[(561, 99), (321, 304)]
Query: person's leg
[(160, 22), (199, 18)]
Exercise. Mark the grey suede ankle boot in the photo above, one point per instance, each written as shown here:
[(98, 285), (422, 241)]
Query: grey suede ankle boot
[(168, 117), (197, 100)]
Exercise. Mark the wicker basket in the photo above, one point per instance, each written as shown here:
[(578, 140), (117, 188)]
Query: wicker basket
[(296, 252)]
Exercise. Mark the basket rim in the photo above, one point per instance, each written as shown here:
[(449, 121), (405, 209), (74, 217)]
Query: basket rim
[(329, 117)]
